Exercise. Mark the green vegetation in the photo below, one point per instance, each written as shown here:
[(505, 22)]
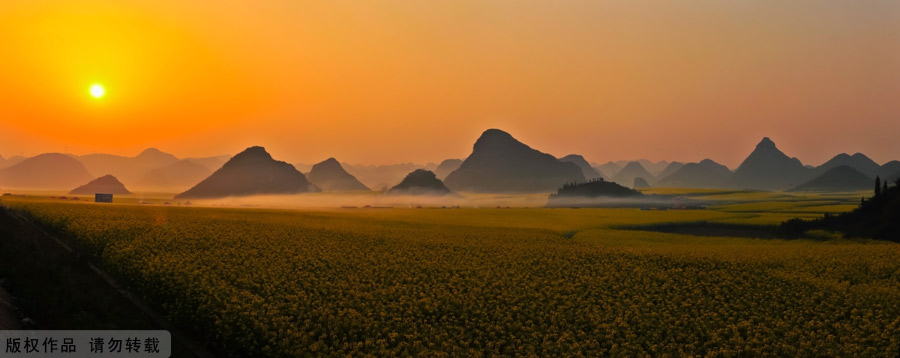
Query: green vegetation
[(495, 282)]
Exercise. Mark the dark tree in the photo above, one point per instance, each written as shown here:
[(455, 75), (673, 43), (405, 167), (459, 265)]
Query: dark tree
[(884, 187), (877, 186)]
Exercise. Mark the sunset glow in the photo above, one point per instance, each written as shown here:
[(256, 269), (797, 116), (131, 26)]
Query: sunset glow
[(342, 78)]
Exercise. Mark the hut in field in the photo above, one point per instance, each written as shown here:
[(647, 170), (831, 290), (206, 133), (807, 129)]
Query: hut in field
[(103, 198)]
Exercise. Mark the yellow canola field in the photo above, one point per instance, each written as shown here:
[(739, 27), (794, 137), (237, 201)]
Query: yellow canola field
[(524, 282)]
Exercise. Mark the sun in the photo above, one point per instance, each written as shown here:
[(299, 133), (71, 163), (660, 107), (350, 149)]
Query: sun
[(97, 90)]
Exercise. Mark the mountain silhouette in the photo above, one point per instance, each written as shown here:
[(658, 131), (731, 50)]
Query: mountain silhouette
[(500, 163), (155, 156), (212, 163), (127, 169), (839, 178), (420, 182), (889, 168), (654, 168), (176, 176), (891, 178), (706, 174), (446, 167), (381, 177), (106, 184), (630, 171), (857, 161), (251, 172), (669, 170), (329, 175), (609, 169), (586, 169), (768, 168), (640, 183), (13, 160), (45, 171)]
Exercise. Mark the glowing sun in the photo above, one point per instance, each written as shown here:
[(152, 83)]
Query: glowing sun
[(97, 90)]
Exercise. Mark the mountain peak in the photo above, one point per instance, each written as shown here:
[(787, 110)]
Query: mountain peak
[(420, 182), (572, 157), (105, 184), (251, 172), (330, 161), (329, 175), (766, 143), (492, 137), (842, 156), (107, 179), (254, 152), (634, 166), (154, 154), (500, 163), (494, 132), (768, 168), (631, 171)]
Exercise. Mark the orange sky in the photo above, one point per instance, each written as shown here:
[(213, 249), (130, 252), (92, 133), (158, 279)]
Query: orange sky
[(388, 81)]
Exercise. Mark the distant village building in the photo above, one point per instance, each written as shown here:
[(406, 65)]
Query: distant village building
[(103, 198)]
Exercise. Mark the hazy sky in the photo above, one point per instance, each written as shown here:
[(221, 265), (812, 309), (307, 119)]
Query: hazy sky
[(389, 81)]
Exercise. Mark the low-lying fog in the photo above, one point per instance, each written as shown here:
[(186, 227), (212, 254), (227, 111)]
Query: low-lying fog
[(362, 200), (382, 200)]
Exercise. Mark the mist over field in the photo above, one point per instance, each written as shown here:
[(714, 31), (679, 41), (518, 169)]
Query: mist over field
[(375, 200)]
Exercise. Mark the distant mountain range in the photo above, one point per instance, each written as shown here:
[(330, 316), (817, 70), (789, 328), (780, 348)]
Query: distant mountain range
[(501, 164), (608, 170), (179, 175), (586, 169), (446, 167), (8, 162), (839, 178), (858, 161), (382, 177), (151, 170), (767, 168), (705, 174), (45, 172), (630, 172), (654, 168), (670, 169), (498, 163), (127, 169)]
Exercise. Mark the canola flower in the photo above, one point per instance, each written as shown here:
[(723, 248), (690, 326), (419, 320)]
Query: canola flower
[(488, 283)]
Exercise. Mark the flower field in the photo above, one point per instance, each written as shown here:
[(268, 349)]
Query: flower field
[(489, 282)]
